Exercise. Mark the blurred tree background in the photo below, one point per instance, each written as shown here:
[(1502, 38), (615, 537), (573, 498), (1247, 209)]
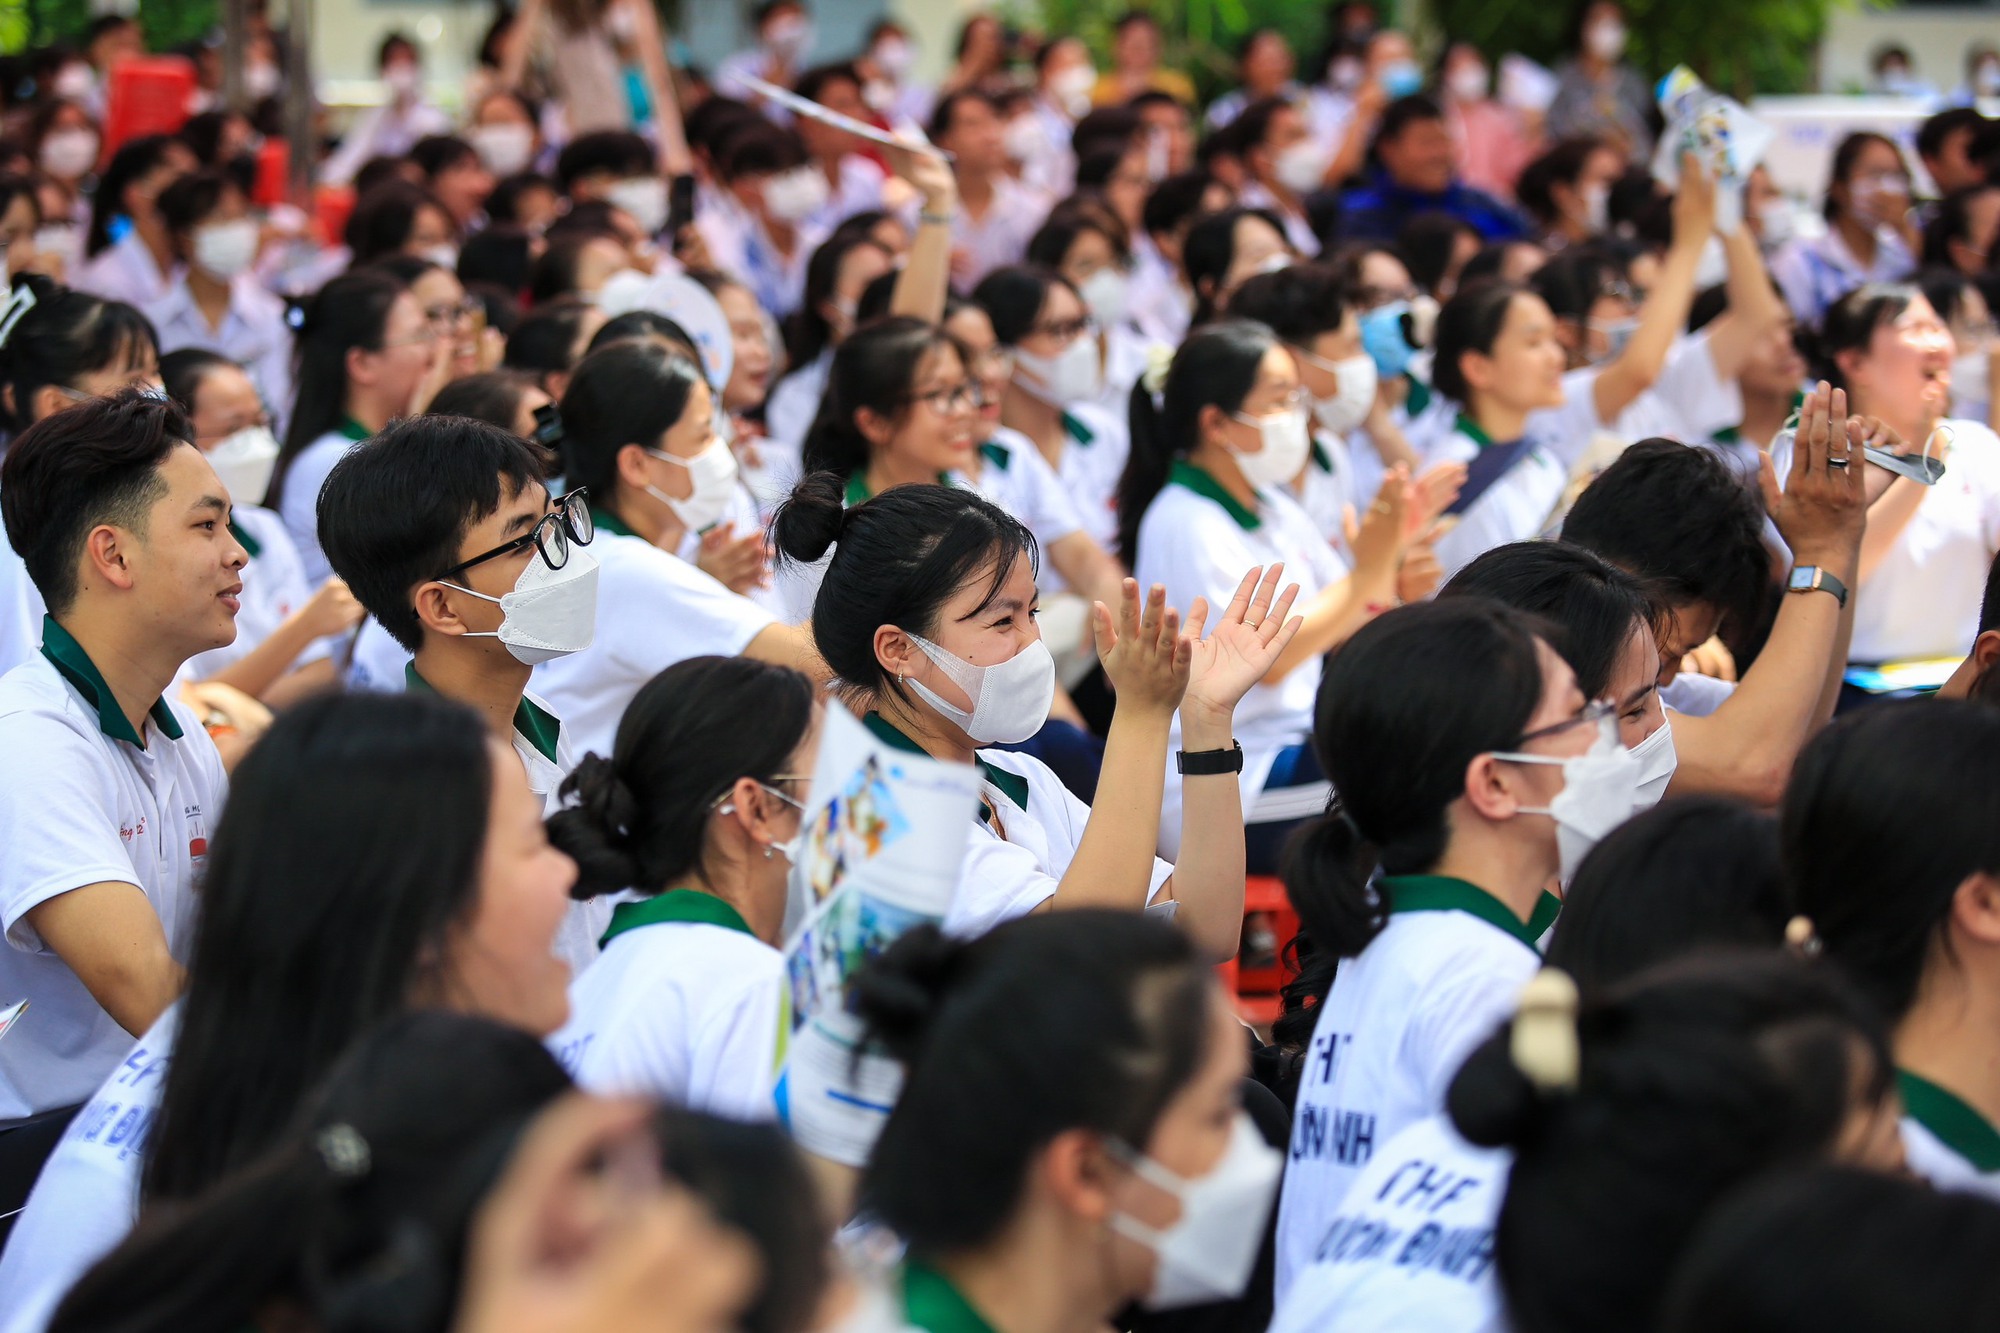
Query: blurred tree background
[(168, 23)]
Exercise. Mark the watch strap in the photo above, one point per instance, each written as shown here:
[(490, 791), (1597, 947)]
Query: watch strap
[(1202, 763)]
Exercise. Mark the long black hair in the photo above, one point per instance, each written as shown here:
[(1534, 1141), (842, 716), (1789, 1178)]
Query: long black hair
[(134, 159), (874, 370), (625, 393), (67, 335), (351, 845), (349, 312)]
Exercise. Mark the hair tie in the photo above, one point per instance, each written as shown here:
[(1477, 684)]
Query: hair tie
[(1802, 938), (19, 302), (344, 1151), (1159, 360), (1543, 1042)]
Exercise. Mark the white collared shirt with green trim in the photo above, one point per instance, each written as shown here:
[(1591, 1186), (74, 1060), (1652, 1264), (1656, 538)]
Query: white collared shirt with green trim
[(86, 800), (1947, 1142), (1014, 475), (1390, 1037)]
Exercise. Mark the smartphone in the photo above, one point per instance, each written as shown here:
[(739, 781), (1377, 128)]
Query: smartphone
[(680, 204)]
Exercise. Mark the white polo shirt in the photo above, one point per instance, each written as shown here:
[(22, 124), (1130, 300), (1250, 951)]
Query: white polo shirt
[(274, 586), (300, 505), (1014, 475), (1197, 541), (1326, 490), (1096, 444), (1689, 401), (87, 1196), (1411, 1247), (1526, 500), (97, 803), (684, 1005), (124, 271), (1023, 841), (654, 609), (1947, 1142), (1446, 970)]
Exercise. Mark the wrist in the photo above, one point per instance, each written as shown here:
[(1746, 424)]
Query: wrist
[(1142, 716), (1206, 726), (1839, 561)]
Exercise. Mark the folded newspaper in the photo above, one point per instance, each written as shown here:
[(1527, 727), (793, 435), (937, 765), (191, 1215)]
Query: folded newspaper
[(1719, 131)]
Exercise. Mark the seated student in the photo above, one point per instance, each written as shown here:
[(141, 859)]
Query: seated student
[(445, 530), (1471, 768), (138, 266), (551, 340), (1225, 249), (283, 627), (759, 223), (1677, 518), (1888, 838), (1836, 1249), (124, 529), (698, 811), (1069, 1139), (509, 399), (381, 853), (367, 354), (1413, 169), (1770, 381), (455, 174), (1690, 876), (1162, 302), (926, 614), (836, 276), (468, 343), (399, 218), (639, 436), (1203, 496), (996, 214)]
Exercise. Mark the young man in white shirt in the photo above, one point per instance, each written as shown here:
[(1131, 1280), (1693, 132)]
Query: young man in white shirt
[(997, 216), (106, 811), (444, 529)]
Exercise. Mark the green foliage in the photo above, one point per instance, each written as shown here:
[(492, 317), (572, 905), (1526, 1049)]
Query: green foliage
[(1201, 35), (168, 23)]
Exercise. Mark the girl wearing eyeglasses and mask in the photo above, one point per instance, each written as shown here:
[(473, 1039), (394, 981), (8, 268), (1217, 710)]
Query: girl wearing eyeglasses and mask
[(926, 615), (697, 811), (639, 435), (1069, 1139), (1471, 772), (1203, 497)]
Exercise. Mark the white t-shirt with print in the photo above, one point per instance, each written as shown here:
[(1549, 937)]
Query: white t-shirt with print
[(87, 1196)]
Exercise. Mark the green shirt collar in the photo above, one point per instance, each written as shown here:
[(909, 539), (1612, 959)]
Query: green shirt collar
[(1546, 911), (1472, 430), (1436, 893), (1012, 785), (610, 522), (690, 905), (73, 664), (1186, 474), (535, 724), (1951, 1121), (995, 455), (1728, 435), (932, 1304), (251, 546), (1076, 430), (1322, 459), (1418, 398), (857, 485), (354, 430)]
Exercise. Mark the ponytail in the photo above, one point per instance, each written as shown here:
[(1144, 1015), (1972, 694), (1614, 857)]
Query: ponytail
[(349, 312)]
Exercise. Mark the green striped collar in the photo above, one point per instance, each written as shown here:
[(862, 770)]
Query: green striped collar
[(1437, 893), (533, 723), (933, 1304), (73, 664), (689, 905), (353, 429), (857, 485), (1951, 1121), (1190, 477), (1012, 785)]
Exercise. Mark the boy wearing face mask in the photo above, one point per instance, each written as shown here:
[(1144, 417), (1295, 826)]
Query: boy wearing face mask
[(445, 530), (784, 37), (759, 226), (216, 304)]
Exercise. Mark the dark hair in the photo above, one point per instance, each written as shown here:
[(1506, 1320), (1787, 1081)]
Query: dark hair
[(1693, 1080), (1872, 861), (643, 326), (492, 396), (435, 1101), (1850, 323), (1070, 219), (1935, 131), (811, 84), (1572, 282), (1696, 872), (395, 508), (807, 331), (396, 42), (1013, 297), (380, 170), (1590, 606), (67, 335), (715, 120), (439, 153), (1114, 128), (1945, 289), (899, 558), (1175, 200), (640, 818), (1217, 366), (1989, 602), (1253, 124), (385, 218), (1089, 1019), (134, 159), (190, 198), (1426, 245), (1679, 519), (499, 254), (1845, 156), (92, 464), (874, 370), (1839, 1249), (1562, 163), (628, 393), (1952, 222), (351, 311), (1299, 303), (504, 204), (283, 980), (758, 148), (1210, 249), (547, 338), (946, 111), (183, 372), (1399, 115), (554, 273), (616, 153)]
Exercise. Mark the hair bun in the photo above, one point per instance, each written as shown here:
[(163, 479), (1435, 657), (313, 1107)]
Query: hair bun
[(808, 523), (898, 994), (595, 830)]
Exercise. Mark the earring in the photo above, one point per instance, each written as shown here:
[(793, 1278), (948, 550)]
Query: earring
[(769, 851)]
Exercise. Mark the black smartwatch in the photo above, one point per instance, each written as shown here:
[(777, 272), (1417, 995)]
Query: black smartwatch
[(1811, 578), (1202, 763)]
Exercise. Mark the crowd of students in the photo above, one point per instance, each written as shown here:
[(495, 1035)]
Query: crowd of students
[(416, 651)]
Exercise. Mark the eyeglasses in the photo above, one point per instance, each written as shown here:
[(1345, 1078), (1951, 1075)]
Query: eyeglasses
[(1593, 713), (453, 313), (1068, 330), (568, 523), (1298, 400), (966, 396), (995, 362), (429, 335), (723, 806)]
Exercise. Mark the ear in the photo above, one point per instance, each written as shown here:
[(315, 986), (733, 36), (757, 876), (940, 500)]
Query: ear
[(360, 365), (1975, 908), (1478, 370), (897, 652), (630, 465), (433, 605), (1212, 423), (1078, 1174), (745, 806), (876, 428), (1849, 363), (1986, 649), (1490, 789), (46, 402), (106, 552)]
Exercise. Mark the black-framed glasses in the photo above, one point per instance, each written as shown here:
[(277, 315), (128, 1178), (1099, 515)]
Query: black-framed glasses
[(568, 524), (1593, 712), (1067, 330), (968, 396)]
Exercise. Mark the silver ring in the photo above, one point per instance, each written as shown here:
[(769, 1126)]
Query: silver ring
[(1836, 462)]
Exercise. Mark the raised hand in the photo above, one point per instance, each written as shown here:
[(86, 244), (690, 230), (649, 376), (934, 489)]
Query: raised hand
[(1823, 507), (1377, 541), (1246, 641), (1144, 656)]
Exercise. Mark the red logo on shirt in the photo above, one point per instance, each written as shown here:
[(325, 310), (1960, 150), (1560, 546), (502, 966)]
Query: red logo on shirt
[(197, 847)]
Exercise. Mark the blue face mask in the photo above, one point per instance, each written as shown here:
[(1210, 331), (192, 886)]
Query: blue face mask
[(1402, 79), (1385, 337)]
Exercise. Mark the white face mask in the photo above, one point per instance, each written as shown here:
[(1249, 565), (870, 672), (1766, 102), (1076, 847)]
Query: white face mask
[(68, 154), (787, 38), (1357, 380), (1596, 207), (894, 56), (1777, 222), (1108, 294), (1986, 79), (1070, 376), (1606, 41), (1301, 168), (1022, 138), (1598, 795), (713, 475), (797, 194), (1468, 83), (644, 197), (1071, 88), (1287, 444), (1010, 700), (444, 256), (58, 243), (504, 148), (1345, 73), (226, 249), (403, 81), (1617, 334), (74, 82), (1970, 373), (1208, 1252), (549, 613), (262, 80), (880, 95), (1657, 762), (243, 461)]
